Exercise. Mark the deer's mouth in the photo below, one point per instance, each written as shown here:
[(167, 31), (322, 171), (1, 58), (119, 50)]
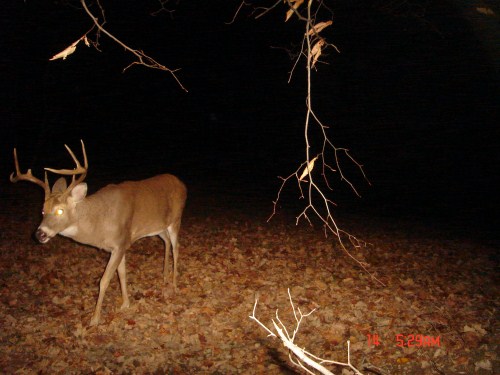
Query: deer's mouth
[(42, 236)]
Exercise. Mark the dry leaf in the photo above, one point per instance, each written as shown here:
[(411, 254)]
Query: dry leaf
[(476, 328), (316, 51), (65, 53), (308, 169), (316, 29), (485, 364), (70, 49)]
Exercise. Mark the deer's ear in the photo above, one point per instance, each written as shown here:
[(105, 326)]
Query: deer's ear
[(79, 192), (60, 186)]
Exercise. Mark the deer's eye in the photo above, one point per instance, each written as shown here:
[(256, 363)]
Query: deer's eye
[(59, 211)]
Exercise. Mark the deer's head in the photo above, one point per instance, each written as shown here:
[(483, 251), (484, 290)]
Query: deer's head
[(60, 202)]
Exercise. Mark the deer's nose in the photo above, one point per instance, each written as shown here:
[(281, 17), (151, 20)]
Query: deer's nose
[(41, 236)]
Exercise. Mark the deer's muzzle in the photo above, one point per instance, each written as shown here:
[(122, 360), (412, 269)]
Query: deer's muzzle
[(42, 236)]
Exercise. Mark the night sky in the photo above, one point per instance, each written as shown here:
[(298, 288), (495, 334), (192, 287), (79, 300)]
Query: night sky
[(413, 98)]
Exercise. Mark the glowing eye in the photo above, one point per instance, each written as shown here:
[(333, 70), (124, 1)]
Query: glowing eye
[(59, 211)]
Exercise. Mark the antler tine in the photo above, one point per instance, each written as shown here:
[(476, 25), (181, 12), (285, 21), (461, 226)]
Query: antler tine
[(79, 170), (18, 172), (28, 176)]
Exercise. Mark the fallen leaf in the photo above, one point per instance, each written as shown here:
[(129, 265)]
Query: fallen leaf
[(485, 364), (476, 328)]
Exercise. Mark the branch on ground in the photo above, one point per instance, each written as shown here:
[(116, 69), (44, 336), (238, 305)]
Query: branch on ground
[(299, 356)]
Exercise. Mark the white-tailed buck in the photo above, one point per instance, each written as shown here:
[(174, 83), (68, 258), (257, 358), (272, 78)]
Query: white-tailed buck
[(112, 219)]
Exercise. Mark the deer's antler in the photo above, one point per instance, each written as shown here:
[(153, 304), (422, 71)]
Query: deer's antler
[(79, 170), (28, 176)]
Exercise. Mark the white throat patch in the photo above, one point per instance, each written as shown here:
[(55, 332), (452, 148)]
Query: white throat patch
[(69, 231)]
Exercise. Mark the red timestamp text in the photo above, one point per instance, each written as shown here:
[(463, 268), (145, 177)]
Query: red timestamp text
[(417, 341), (408, 341)]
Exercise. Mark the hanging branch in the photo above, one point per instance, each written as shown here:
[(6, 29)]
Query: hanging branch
[(141, 57), (318, 204)]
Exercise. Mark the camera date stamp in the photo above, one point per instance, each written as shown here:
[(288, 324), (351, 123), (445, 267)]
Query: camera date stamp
[(407, 341)]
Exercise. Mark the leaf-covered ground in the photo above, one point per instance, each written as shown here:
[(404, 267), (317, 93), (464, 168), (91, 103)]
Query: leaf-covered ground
[(439, 284)]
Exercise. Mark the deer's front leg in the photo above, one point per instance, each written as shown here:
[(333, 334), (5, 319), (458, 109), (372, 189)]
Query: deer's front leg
[(114, 261)]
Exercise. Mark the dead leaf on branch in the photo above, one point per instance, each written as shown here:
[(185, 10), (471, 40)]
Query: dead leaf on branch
[(65, 53), (70, 49), (316, 51), (316, 29), (308, 169), (295, 5)]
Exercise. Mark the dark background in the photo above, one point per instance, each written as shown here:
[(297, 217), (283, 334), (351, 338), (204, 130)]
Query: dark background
[(413, 95)]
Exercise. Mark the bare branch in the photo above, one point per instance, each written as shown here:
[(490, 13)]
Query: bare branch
[(142, 58), (162, 9), (253, 317), (236, 13), (312, 48), (266, 10)]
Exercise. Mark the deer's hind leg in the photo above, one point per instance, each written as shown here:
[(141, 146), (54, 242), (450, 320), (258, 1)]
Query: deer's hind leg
[(122, 275), (166, 239), (170, 237)]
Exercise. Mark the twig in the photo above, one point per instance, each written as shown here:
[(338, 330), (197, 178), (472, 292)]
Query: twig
[(236, 13), (142, 58)]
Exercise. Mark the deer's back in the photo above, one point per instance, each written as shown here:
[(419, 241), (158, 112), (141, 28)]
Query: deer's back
[(145, 207)]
